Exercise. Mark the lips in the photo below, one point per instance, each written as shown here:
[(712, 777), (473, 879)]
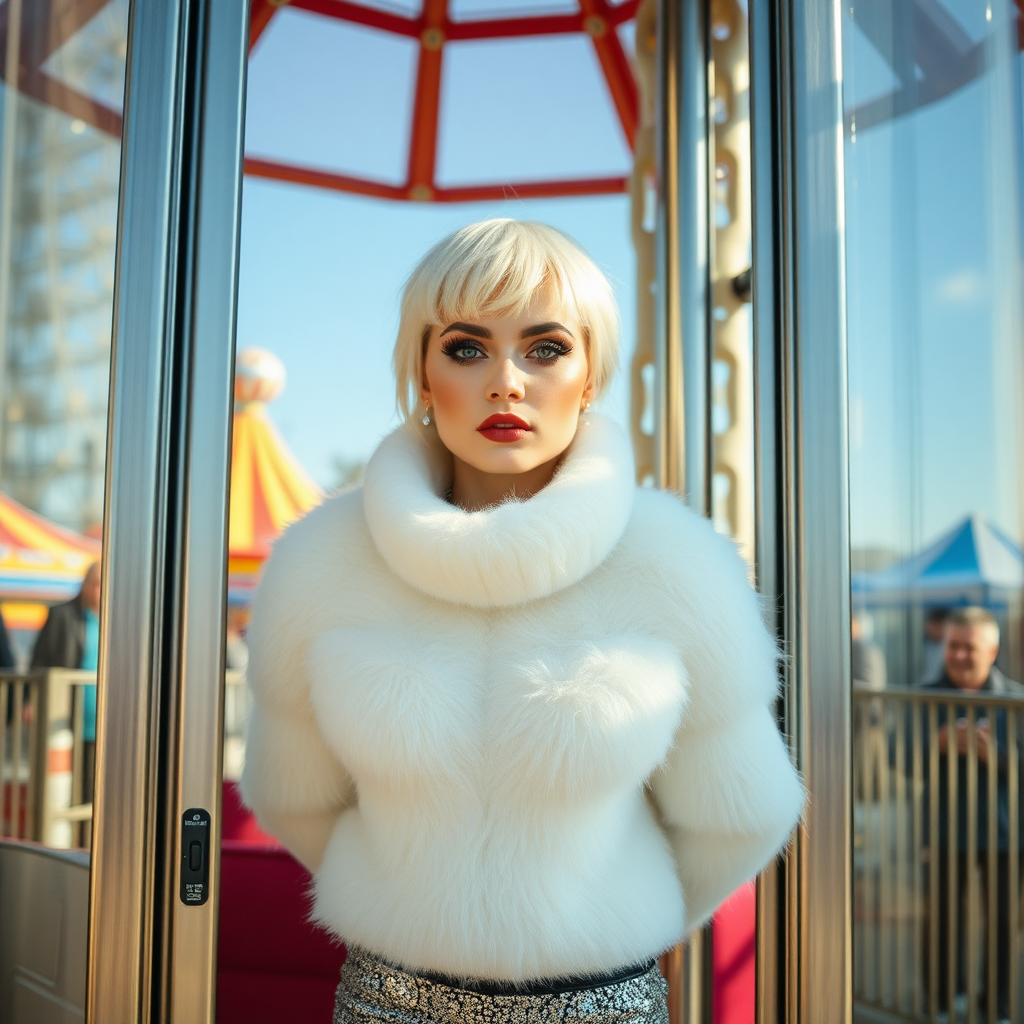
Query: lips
[(504, 428)]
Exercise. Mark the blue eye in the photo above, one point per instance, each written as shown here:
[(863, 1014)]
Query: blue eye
[(462, 351), (549, 351)]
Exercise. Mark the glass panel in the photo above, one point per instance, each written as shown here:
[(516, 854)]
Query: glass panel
[(934, 255), (59, 171), (321, 273)]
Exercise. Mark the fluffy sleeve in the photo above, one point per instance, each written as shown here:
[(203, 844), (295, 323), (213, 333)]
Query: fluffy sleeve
[(291, 779), (728, 794)]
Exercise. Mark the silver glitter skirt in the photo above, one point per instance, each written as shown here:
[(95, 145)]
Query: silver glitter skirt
[(373, 991)]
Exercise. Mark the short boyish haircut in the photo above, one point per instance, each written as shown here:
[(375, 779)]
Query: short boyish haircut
[(972, 617), (495, 268)]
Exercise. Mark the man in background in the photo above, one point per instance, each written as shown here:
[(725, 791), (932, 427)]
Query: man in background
[(70, 638), (971, 645)]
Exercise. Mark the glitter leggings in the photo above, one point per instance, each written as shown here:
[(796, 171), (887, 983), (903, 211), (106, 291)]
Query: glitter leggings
[(372, 991)]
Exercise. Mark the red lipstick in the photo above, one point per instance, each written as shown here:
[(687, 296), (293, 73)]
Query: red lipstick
[(504, 427)]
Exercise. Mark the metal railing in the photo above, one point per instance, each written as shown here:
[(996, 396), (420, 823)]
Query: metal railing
[(42, 757), (45, 771), (937, 856)]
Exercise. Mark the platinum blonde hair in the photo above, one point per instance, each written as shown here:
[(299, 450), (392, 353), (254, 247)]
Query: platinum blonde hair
[(495, 268)]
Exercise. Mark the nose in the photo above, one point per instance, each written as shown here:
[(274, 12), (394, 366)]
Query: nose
[(507, 384)]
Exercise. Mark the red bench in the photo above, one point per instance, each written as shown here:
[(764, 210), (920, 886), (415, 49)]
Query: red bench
[(272, 964)]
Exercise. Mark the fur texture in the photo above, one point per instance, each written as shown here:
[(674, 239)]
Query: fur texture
[(473, 705)]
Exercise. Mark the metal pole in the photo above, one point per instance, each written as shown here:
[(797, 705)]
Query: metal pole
[(162, 615), (802, 499), (682, 439)]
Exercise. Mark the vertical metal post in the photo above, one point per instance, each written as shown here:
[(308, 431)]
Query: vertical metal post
[(682, 438), (162, 626), (205, 469), (801, 467)]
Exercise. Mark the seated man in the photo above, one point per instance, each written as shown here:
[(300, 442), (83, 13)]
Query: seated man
[(969, 654), (70, 638)]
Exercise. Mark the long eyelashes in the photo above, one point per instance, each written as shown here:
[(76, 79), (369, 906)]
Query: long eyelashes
[(550, 349), (465, 350), (461, 350)]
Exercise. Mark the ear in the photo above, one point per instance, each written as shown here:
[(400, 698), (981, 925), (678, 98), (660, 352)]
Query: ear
[(588, 393)]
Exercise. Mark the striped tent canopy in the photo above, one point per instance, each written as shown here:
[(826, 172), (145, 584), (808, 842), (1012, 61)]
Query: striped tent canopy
[(269, 489), (40, 563)]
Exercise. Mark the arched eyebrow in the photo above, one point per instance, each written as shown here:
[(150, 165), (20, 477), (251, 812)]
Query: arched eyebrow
[(476, 331), (553, 325)]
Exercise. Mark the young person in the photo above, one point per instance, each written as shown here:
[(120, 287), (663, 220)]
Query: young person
[(512, 711)]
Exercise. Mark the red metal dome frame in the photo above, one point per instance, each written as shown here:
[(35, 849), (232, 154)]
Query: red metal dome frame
[(434, 29), (43, 32)]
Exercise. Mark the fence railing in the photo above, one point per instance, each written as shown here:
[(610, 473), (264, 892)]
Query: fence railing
[(45, 763), (42, 757), (937, 855)]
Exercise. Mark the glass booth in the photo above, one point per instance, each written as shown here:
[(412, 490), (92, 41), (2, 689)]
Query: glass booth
[(810, 213)]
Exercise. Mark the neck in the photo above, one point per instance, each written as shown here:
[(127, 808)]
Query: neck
[(473, 489)]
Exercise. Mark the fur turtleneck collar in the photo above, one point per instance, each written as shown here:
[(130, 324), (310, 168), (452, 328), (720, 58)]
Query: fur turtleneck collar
[(514, 552)]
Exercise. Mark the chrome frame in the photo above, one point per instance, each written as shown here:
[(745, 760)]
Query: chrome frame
[(683, 339), (165, 580), (683, 332), (804, 949)]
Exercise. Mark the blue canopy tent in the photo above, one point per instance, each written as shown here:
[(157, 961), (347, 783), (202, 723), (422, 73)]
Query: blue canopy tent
[(974, 564)]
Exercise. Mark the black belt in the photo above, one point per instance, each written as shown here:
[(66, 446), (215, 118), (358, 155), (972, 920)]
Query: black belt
[(543, 986)]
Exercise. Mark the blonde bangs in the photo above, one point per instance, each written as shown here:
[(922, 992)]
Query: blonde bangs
[(496, 268)]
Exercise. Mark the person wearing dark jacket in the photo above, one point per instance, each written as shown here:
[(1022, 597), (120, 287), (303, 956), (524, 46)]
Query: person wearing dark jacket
[(969, 654), (6, 653), (70, 639)]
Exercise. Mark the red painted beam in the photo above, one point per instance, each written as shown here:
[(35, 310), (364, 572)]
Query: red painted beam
[(259, 18), (511, 28), (488, 28), (427, 100), (358, 15), (615, 65), (55, 93), (257, 167), (274, 171), (45, 26)]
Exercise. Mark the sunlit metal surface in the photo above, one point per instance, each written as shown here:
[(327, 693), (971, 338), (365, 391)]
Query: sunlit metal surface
[(909, 872), (731, 372), (161, 646), (44, 899), (682, 454), (802, 532), (207, 409), (643, 191), (125, 827), (682, 439)]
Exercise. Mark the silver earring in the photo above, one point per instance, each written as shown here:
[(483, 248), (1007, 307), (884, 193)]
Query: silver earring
[(426, 416)]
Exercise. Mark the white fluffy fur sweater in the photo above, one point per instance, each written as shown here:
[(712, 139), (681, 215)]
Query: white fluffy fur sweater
[(531, 741)]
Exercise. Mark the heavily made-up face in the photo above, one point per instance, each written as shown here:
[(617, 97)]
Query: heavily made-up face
[(506, 394)]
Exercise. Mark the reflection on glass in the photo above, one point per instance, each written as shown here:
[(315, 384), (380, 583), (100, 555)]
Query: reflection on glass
[(60, 98), (934, 259)]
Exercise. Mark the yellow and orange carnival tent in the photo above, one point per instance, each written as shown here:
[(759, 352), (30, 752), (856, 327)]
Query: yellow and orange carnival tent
[(40, 563), (269, 489)]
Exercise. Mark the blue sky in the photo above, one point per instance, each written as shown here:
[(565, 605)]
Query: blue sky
[(933, 224), (933, 263), (320, 281), (322, 271)]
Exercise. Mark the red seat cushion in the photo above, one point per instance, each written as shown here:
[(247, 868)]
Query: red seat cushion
[(272, 964)]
